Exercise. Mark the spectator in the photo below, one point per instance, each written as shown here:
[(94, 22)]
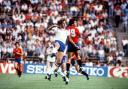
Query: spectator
[(30, 48), (125, 22), (28, 20), (111, 8), (125, 45), (120, 55), (101, 55), (38, 48), (117, 15), (110, 59), (7, 4), (89, 63)]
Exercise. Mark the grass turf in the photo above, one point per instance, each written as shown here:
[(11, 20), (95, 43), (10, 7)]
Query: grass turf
[(31, 81)]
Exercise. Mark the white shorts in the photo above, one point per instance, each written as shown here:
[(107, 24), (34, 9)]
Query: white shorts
[(51, 59)]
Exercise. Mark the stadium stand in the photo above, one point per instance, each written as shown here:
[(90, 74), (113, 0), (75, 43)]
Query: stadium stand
[(99, 22)]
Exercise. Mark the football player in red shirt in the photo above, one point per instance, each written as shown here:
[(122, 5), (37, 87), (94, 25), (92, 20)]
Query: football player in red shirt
[(73, 47), (18, 53)]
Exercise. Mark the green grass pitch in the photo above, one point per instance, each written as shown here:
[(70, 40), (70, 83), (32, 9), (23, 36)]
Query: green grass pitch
[(37, 81)]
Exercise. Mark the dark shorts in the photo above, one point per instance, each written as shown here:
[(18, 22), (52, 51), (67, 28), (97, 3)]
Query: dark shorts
[(62, 45), (18, 60), (72, 48)]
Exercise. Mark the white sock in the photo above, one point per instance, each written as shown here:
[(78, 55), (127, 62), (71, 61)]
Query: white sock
[(62, 74)]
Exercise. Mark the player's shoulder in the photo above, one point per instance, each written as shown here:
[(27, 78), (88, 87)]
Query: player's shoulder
[(69, 27), (20, 48), (73, 27), (14, 49)]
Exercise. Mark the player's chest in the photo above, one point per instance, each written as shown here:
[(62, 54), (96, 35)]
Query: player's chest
[(17, 50)]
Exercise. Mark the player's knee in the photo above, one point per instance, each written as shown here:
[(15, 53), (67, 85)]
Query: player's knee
[(80, 69), (15, 66), (63, 69), (58, 64), (64, 59), (79, 62)]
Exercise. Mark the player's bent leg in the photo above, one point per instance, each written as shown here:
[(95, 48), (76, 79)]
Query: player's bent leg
[(62, 63), (55, 53), (79, 62), (60, 56), (77, 68), (85, 74), (65, 78), (63, 66), (70, 57), (81, 71), (77, 55), (58, 62)]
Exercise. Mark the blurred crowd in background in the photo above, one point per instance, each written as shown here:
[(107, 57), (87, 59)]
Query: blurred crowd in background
[(26, 21)]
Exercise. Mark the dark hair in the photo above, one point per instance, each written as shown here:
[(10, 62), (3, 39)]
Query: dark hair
[(17, 43), (60, 22), (72, 21)]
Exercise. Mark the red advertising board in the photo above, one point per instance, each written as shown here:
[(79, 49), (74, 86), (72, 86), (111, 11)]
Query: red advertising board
[(121, 72)]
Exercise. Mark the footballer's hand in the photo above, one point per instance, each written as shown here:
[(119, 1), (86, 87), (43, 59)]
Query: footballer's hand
[(19, 53), (77, 47)]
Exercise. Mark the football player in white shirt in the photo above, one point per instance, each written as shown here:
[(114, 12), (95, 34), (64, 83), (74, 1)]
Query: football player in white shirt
[(60, 38)]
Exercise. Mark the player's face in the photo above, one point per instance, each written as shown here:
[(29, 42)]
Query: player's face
[(63, 25), (49, 43), (17, 45)]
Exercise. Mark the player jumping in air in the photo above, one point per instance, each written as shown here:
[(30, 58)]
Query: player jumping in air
[(60, 37), (73, 47)]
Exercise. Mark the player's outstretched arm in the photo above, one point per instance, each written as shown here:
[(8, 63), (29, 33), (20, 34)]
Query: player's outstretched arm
[(50, 28)]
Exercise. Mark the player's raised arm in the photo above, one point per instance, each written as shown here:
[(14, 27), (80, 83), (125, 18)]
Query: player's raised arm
[(52, 29)]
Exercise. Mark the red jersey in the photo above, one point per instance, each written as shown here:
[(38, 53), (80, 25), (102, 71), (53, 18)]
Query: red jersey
[(17, 52), (74, 33)]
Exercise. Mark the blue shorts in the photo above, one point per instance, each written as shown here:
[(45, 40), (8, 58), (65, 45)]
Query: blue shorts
[(18, 60), (62, 45), (71, 47), (64, 59)]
